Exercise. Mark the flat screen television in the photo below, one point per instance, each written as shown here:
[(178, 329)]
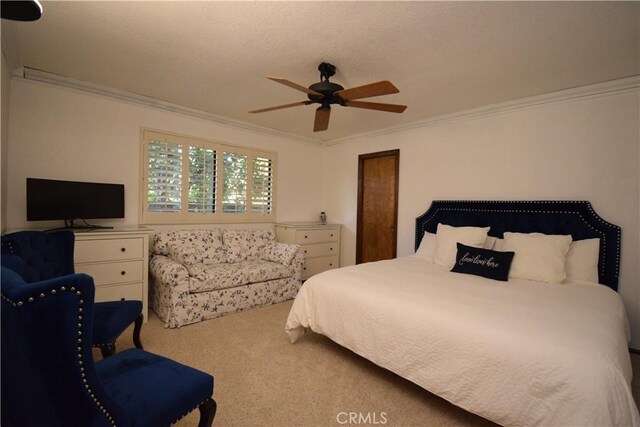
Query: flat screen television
[(49, 199)]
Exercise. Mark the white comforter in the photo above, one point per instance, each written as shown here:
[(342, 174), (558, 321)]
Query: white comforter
[(517, 352)]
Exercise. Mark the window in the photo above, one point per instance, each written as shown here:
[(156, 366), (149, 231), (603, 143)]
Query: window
[(235, 183), (164, 177), (190, 180), (202, 180), (262, 181)]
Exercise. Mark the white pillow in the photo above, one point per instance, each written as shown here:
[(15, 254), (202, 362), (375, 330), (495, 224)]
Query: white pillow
[(427, 247), (539, 257), (185, 254), (447, 237), (582, 260), (489, 242)]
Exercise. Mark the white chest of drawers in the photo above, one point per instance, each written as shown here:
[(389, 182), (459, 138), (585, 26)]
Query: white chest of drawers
[(118, 262), (320, 244)]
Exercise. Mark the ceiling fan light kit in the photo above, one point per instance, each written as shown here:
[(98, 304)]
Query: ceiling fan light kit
[(327, 93)]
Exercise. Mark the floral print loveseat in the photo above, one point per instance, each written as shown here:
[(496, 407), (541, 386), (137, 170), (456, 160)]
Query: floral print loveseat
[(201, 274)]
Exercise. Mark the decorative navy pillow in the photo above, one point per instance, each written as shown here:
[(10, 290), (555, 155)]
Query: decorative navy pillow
[(483, 262)]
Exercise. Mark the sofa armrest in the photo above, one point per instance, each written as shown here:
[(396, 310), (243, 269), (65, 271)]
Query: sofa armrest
[(281, 253), (297, 263), (168, 272)]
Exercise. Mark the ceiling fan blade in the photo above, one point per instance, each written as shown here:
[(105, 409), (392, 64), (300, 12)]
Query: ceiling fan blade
[(279, 107), (294, 85), (322, 119), (384, 87), (392, 108)]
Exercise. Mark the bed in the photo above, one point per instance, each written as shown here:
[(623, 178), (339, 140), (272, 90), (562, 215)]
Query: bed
[(519, 352)]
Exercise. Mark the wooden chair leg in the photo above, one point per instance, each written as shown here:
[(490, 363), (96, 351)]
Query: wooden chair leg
[(207, 412), (136, 331), (107, 349)]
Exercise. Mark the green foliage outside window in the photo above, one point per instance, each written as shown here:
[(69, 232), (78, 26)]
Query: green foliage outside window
[(234, 197)]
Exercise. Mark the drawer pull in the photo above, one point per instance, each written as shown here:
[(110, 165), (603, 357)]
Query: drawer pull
[(123, 249), (330, 265), (305, 251), (331, 234), (305, 236), (304, 268), (123, 272), (330, 249)]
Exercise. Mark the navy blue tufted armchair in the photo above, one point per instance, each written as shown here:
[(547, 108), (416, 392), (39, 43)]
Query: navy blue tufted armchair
[(46, 255), (49, 377)]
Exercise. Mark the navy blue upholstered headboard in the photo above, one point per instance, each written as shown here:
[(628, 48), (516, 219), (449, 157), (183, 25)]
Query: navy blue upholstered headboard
[(545, 216)]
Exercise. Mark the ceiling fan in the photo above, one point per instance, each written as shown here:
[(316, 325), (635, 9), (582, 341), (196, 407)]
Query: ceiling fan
[(327, 93)]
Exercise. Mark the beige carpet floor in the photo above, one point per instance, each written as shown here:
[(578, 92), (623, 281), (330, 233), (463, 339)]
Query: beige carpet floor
[(261, 379)]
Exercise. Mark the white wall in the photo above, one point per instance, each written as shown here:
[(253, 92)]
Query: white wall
[(581, 149), (63, 134), (585, 149)]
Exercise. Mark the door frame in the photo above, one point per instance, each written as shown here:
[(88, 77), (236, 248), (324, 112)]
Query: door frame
[(361, 160)]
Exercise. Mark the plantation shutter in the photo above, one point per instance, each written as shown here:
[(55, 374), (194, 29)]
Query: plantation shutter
[(189, 180), (234, 199), (262, 186), (202, 180), (164, 179)]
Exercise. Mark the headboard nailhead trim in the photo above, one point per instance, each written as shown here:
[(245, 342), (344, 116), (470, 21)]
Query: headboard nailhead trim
[(79, 348), (595, 216)]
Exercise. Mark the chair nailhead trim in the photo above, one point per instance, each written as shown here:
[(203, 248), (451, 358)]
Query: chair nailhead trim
[(106, 343), (79, 349), (189, 411)]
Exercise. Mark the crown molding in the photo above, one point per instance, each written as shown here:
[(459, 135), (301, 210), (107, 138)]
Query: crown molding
[(133, 98), (581, 92)]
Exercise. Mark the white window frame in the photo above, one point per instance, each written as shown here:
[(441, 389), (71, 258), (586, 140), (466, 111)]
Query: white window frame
[(186, 217)]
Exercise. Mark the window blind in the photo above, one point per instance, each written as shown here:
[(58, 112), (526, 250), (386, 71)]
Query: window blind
[(189, 180), (164, 179), (262, 186), (202, 179), (235, 183)]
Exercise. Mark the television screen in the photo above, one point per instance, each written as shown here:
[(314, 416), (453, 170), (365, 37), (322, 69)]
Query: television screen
[(49, 199)]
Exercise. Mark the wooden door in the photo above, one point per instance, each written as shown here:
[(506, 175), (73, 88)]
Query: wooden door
[(376, 236)]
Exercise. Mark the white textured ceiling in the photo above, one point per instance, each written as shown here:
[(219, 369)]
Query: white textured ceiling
[(443, 56)]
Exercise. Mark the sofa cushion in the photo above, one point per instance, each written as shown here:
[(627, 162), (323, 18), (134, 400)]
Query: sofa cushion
[(210, 238), (160, 241), (282, 253), (242, 245), (261, 271), (211, 277), (196, 247), (204, 278)]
